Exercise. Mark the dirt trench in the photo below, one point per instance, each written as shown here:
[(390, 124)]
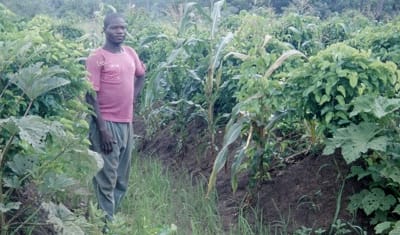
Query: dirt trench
[(309, 191)]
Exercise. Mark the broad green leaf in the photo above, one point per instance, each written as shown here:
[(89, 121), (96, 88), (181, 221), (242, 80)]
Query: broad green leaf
[(56, 182), (9, 206), (33, 129), (379, 143), (62, 219), (359, 172), (330, 84), (12, 182), (328, 117), (342, 72), (9, 125), (324, 99), (383, 227), (342, 90), (340, 100), (392, 172), (36, 80), (317, 97), (21, 165), (330, 148), (362, 104), (356, 139), (397, 209), (396, 229), (378, 106), (379, 216), (356, 201), (353, 78), (377, 200)]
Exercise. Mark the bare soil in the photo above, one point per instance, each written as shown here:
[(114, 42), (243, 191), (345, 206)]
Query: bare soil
[(308, 191)]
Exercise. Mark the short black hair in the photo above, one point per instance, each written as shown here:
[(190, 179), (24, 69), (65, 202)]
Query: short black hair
[(109, 17)]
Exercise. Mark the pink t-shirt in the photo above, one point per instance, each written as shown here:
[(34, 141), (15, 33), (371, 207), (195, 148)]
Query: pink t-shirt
[(112, 76)]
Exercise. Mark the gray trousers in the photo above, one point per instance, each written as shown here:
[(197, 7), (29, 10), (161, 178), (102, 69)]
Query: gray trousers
[(111, 182)]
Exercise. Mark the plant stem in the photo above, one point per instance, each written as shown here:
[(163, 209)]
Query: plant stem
[(338, 206), (5, 88), (10, 140), (211, 127), (3, 226), (7, 146), (28, 108), (27, 220), (2, 154)]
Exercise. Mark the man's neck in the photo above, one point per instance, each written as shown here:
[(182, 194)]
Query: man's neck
[(113, 48)]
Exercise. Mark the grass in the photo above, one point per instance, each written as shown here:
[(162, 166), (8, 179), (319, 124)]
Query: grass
[(160, 201), (165, 202)]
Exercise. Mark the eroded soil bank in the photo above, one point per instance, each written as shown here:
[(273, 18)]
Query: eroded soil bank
[(308, 191)]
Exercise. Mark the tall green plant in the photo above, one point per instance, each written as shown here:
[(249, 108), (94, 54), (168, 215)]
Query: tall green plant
[(375, 142), (213, 80), (255, 115), (302, 32), (354, 96), (333, 78), (43, 146), (196, 58), (381, 40)]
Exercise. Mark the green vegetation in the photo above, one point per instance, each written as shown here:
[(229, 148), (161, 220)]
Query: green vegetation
[(158, 201), (281, 77)]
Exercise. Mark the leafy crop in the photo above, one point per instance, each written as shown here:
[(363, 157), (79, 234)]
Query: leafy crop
[(335, 77), (42, 144), (382, 41), (281, 86), (256, 113), (190, 79), (301, 31)]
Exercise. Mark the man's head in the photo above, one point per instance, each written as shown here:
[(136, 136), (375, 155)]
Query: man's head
[(114, 28)]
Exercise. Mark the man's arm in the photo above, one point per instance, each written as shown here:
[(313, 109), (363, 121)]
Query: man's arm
[(106, 138), (138, 85)]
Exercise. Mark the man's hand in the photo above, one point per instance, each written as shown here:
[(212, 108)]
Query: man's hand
[(107, 141)]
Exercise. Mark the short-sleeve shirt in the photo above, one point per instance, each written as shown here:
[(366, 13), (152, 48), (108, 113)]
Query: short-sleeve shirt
[(112, 76)]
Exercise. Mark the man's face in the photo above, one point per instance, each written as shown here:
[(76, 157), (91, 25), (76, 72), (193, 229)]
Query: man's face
[(116, 31)]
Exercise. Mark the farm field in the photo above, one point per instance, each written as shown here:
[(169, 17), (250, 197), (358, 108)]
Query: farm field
[(256, 117)]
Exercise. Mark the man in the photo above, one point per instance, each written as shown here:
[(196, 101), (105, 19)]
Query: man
[(117, 76)]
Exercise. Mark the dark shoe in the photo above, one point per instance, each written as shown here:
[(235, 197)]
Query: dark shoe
[(105, 229)]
